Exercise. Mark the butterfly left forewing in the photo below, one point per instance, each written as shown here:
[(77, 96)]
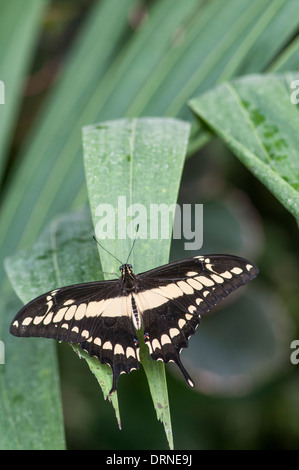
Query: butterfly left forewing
[(94, 315), (66, 314)]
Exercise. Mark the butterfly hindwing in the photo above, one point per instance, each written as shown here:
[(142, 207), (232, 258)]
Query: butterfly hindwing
[(114, 342)]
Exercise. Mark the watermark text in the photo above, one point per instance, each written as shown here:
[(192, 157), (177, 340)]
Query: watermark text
[(294, 357), (2, 92), (155, 221), (2, 353), (295, 93)]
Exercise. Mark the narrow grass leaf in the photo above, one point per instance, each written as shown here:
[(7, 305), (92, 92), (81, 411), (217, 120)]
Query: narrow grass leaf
[(19, 25)]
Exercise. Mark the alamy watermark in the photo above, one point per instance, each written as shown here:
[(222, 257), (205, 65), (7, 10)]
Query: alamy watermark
[(295, 93), (154, 222), (2, 92), (294, 357), (2, 353)]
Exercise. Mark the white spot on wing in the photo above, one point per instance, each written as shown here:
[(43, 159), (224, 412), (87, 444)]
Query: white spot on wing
[(48, 318), (236, 270), (118, 349), (37, 320), (226, 275), (92, 309), (59, 314), (174, 332), (165, 339), (217, 278), (130, 352), (156, 344), (205, 281), (73, 310), (195, 284), (186, 288), (192, 308), (191, 273)]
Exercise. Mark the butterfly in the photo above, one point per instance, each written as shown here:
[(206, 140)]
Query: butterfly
[(166, 303)]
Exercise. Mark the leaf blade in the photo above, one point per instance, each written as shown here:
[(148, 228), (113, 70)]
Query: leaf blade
[(117, 156), (19, 26), (257, 122)]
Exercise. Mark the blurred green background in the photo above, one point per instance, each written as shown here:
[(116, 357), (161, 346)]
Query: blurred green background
[(66, 64)]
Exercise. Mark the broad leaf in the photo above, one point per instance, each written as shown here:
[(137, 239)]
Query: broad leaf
[(132, 167), (64, 254), (30, 402), (196, 45), (117, 156), (258, 121)]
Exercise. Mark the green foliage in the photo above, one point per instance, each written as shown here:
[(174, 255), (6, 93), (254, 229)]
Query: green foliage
[(258, 122), (115, 68), (19, 26)]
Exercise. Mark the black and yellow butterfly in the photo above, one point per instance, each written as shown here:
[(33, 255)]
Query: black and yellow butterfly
[(166, 302)]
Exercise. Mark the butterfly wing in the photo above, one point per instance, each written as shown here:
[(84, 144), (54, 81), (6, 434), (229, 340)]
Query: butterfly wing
[(173, 297), (95, 315), (99, 316)]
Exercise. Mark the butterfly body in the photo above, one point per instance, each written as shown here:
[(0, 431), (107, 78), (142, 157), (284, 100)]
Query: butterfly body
[(166, 303)]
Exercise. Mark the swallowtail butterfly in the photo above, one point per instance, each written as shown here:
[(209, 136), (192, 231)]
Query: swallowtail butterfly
[(166, 302)]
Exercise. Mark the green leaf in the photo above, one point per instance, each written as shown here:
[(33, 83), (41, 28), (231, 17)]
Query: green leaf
[(133, 165), (287, 60), (200, 44), (257, 120), (65, 254), (30, 402), (117, 156)]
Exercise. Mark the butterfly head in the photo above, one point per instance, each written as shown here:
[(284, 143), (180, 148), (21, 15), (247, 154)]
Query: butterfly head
[(127, 276), (126, 271)]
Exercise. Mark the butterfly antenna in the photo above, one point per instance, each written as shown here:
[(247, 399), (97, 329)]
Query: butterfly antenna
[(106, 250), (137, 229)]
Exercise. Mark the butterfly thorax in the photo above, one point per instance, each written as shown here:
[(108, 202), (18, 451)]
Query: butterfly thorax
[(128, 278)]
